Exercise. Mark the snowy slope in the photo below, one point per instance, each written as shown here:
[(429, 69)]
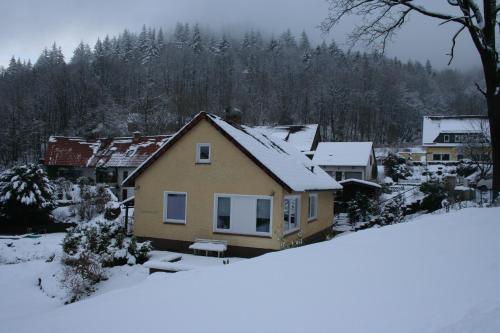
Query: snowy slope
[(439, 273)]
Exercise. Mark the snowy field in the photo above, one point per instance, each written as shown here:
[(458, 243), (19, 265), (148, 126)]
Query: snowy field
[(438, 273)]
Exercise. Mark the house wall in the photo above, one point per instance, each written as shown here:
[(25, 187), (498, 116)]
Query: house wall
[(441, 150), (230, 172)]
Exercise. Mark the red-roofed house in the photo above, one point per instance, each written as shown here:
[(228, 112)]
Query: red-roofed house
[(107, 161)]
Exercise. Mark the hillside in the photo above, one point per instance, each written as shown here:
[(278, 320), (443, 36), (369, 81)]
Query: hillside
[(438, 273)]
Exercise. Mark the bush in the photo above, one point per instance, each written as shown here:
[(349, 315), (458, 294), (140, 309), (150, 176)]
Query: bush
[(391, 213), (91, 247), (93, 201), (26, 195), (465, 169), (361, 208), (434, 196), (395, 167)]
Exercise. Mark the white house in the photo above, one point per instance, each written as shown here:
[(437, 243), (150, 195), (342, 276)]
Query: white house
[(347, 160)]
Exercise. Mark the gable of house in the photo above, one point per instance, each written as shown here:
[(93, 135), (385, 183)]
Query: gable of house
[(280, 160)]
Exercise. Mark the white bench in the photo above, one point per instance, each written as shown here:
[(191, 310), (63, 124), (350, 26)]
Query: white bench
[(209, 245)]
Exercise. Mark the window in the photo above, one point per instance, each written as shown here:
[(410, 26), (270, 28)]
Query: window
[(446, 138), (174, 207), (313, 206), (124, 194), (263, 220), (445, 157), (460, 157), (125, 175), (353, 175), (291, 217), (243, 214), (338, 176), (436, 157), (203, 153), (223, 213)]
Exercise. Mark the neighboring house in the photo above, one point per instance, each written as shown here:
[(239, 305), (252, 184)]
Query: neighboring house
[(443, 136), (413, 154), (223, 181), (304, 137), (107, 161), (347, 160)]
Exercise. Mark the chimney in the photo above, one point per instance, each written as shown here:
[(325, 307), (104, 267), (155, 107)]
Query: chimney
[(137, 135), (233, 115)]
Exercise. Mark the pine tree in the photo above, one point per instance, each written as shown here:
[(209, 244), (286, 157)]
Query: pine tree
[(26, 195)]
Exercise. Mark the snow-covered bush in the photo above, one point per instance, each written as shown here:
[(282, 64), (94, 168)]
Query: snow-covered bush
[(395, 167), (391, 213), (91, 247), (26, 195), (93, 200)]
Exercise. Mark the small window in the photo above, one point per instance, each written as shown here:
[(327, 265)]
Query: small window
[(125, 175), (313, 206), (460, 157), (446, 138), (436, 157), (223, 213), (203, 153), (338, 176), (445, 157), (174, 207), (263, 220)]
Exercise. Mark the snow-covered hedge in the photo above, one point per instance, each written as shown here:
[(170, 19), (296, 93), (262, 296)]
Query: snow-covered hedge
[(26, 195)]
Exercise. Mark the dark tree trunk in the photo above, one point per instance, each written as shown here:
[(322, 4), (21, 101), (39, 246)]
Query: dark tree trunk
[(494, 118)]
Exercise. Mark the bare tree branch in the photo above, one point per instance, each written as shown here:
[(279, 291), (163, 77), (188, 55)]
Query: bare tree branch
[(453, 43)]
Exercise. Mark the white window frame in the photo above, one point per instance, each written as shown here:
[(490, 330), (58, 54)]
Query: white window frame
[(297, 216), (174, 221), (446, 138), (198, 149), (315, 215), (231, 229)]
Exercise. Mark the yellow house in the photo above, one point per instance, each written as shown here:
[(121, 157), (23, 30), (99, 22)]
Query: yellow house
[(219, 180), (444, 137)]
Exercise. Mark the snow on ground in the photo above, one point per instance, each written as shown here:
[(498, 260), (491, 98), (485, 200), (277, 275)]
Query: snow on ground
[(30, 270), (26, 249), (438, 273)]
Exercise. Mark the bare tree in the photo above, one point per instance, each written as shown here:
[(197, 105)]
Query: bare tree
[(476, 146), (383, 18)]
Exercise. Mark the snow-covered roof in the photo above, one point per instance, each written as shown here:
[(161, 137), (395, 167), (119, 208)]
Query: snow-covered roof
[(359, 181), (300, 136), (278, 158), (115, 152), (434, 125), (343, 153)]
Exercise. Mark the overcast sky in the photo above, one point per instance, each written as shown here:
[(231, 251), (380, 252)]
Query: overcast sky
[(27, 26)]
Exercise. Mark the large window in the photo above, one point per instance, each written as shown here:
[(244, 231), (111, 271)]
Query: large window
[(353, 175), (291, 214), (243, 214), (174, 207), (203, 153), (313, 206)]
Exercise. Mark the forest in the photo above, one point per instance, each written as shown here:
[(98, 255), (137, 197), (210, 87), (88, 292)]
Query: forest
[(153, 81)]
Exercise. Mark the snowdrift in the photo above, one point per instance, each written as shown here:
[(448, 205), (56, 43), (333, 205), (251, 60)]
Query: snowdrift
[(439, 273)]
